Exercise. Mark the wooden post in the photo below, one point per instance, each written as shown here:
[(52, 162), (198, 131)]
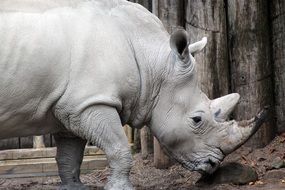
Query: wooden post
[(208, 18), (251, 69), (146, 3), (38, 142), (137, 141), (144, 144), (171, 13), (161, 161), (278, 55), (128, 131)]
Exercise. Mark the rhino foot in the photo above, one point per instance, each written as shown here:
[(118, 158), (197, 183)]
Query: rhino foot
[(119, 185), (74, 186)]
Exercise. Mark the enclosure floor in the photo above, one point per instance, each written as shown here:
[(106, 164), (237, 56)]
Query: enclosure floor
[(145, 177)]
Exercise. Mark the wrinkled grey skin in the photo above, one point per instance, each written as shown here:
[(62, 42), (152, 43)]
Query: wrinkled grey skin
[(81, 69)]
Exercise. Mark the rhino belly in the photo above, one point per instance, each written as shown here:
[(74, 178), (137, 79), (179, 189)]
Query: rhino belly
[(34, 71)]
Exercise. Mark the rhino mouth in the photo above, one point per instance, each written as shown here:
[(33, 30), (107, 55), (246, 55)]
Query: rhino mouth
[(204, 166)]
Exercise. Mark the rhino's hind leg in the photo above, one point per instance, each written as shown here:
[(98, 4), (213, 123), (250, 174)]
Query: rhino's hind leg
[(70, 151), (102, 126)]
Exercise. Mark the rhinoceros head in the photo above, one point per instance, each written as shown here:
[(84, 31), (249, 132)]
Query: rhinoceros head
[(191, 128)]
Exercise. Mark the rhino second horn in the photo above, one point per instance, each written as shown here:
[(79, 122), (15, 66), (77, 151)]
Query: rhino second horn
[(240, 132)]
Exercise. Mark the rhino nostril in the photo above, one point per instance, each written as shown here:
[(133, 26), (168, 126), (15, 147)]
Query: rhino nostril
[(213, 164)]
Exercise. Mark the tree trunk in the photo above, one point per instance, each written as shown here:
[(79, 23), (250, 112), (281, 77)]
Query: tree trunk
[(251, 71), (278, 55), (208, 18)]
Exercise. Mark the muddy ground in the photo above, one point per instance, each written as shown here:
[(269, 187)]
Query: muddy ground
[(144, 176)]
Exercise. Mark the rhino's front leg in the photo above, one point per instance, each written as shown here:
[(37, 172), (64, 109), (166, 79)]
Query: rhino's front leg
[(102, 126)]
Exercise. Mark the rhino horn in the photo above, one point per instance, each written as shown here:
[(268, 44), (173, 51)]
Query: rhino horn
[(239, 132), (223, 106)]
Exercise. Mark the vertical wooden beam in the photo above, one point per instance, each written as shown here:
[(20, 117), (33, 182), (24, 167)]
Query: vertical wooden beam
[(161, 161), (208, 18), (26, 142), (251, 69), (278, 55), (128, 132), (171, 13), (144, 142), (11, 143), (146, 3), (38, 142)]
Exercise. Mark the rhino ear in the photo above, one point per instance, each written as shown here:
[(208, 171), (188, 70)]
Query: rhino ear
[(179, 42)]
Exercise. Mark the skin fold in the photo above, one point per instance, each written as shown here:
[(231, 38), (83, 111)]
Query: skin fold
[(82, 69)]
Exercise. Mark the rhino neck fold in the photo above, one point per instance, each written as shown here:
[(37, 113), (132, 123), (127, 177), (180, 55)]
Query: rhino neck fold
[(151, 60)]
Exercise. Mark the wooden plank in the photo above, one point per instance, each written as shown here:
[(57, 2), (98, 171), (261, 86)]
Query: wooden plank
[(20, 154), (171, 13), (278, 55), (48, 140), (26, 142), (208, 18), (45, 166), (146, 3), (251, 67), (11, 143)]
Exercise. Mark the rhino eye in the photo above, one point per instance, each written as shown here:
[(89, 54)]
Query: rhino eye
[(197, 119)]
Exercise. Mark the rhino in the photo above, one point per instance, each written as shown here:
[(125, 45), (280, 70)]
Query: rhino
[(80, 70)]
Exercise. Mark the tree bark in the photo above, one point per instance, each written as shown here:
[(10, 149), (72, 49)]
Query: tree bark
[(208, 18), (278, 55), (251, 71)]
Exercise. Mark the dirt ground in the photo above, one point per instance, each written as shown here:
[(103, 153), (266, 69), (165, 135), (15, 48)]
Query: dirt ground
[(144, 176)]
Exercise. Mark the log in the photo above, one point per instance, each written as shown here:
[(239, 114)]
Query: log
[(251, 69), (208, 18), (277, 19), (161, 161), (144, 144), (146, 3), (38, 142)]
